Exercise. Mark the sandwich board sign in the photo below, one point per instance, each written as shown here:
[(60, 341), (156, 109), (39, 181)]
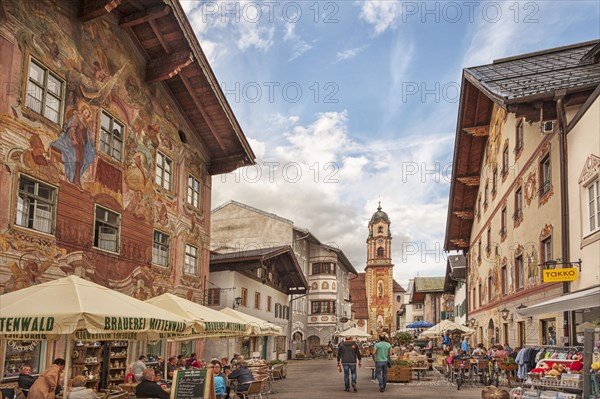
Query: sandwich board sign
[(193, 384)]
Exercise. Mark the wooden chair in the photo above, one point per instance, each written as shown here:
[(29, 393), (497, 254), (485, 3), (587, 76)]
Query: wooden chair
[(254, 390)]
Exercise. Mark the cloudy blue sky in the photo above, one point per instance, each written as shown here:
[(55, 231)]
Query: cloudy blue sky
[(347, 103)]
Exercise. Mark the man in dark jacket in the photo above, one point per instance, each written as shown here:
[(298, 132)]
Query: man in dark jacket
[(148, 388), (243, 375), (348, 355), (26, 380)]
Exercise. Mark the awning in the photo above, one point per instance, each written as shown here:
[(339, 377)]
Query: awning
[(589, 298)]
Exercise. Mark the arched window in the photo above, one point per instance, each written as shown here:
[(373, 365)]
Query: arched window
[(380, 229), (325, 285), (333, 286), (380, 251), (314, 286)]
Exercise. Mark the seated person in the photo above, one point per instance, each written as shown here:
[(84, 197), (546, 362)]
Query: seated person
[(479, 350), (148, 388), (79, 391), (25, 380), (221, 381), (243, 375), (159, 380)]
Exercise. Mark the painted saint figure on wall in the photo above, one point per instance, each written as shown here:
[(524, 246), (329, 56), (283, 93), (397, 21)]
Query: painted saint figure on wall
[(76, 144)]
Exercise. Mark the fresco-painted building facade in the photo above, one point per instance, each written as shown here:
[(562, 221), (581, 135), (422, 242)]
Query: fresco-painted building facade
[(111, 126)]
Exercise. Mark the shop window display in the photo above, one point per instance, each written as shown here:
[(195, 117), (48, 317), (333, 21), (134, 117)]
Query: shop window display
[(19, 354)]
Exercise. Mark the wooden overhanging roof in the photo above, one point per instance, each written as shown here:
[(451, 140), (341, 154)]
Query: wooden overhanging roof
[(281, 259), (456, 270), (166, 39), (526, 85)]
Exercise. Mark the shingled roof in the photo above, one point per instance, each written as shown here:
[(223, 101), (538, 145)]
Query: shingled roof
[(527, 86), (358, 293), (397, 287), (532, 76)]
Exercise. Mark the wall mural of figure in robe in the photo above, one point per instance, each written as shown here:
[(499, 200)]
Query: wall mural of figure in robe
[(76, 144)]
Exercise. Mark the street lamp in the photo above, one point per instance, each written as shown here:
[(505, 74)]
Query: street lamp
[(473, 322), (237, 302), (504, 313)]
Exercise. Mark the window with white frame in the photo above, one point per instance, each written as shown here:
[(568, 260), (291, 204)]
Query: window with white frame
[(36, 205), (418, 306), (193, 193), (593, 205), (190, 265), (160, 248), (164, 171), (45, 92), (111, 136), (106, 229)]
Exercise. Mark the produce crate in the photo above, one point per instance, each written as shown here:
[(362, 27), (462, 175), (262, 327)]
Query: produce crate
[(400, 374)]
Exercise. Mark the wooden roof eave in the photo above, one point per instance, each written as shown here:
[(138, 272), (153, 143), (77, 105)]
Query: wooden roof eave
[(453, 180), (211, 78), (464, 226)]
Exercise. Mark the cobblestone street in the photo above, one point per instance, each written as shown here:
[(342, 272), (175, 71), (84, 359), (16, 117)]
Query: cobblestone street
[(317, 379)]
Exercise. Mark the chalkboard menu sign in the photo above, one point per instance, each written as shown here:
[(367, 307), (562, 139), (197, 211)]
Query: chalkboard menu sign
[(193, 384)]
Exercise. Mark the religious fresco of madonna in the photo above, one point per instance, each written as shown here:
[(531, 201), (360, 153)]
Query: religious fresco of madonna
[(97, 179)]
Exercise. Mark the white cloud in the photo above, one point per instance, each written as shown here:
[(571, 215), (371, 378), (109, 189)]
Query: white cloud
[(382, 14), (298, 45), (348, 54), (325, 181)]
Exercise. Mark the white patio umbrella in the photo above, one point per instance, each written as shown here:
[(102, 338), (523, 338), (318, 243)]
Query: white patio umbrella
[(79, 309), (209, 322), (443, 326), (354, 332), (259, 327)]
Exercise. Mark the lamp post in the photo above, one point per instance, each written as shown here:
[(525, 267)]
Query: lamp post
[(504, 313)]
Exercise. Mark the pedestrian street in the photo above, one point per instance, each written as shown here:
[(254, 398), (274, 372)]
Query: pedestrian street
[(316, 379)]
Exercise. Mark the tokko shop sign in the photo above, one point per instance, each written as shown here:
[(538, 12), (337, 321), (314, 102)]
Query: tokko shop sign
[(558, 275)]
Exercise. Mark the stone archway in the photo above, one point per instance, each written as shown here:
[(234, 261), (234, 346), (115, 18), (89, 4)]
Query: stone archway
[(313, 341)]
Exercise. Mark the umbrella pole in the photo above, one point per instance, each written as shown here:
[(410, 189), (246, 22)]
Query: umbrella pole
[(67, 370), (165, 358)]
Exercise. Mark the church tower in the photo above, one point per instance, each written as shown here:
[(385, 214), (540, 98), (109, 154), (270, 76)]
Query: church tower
[(379, 274)]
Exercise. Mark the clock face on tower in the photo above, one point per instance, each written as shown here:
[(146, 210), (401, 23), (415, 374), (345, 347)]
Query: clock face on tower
[(380, 241)]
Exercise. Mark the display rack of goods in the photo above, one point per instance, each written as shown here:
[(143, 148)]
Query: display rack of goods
[(87, 361), (558, 373), (117, 362)]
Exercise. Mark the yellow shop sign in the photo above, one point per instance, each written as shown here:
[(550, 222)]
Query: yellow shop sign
[(556, 275)]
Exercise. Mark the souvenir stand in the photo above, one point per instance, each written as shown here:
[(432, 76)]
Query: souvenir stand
[(558, 372)]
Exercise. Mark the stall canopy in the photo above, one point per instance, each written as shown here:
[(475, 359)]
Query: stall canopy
[(589, 298), (258, 327), (443, 326), (79, 309), (354, 332), (208, 322)]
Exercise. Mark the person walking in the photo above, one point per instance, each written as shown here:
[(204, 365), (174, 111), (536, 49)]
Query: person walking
[(381, 354), (45, 386), (329, 351), (348, 356)]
